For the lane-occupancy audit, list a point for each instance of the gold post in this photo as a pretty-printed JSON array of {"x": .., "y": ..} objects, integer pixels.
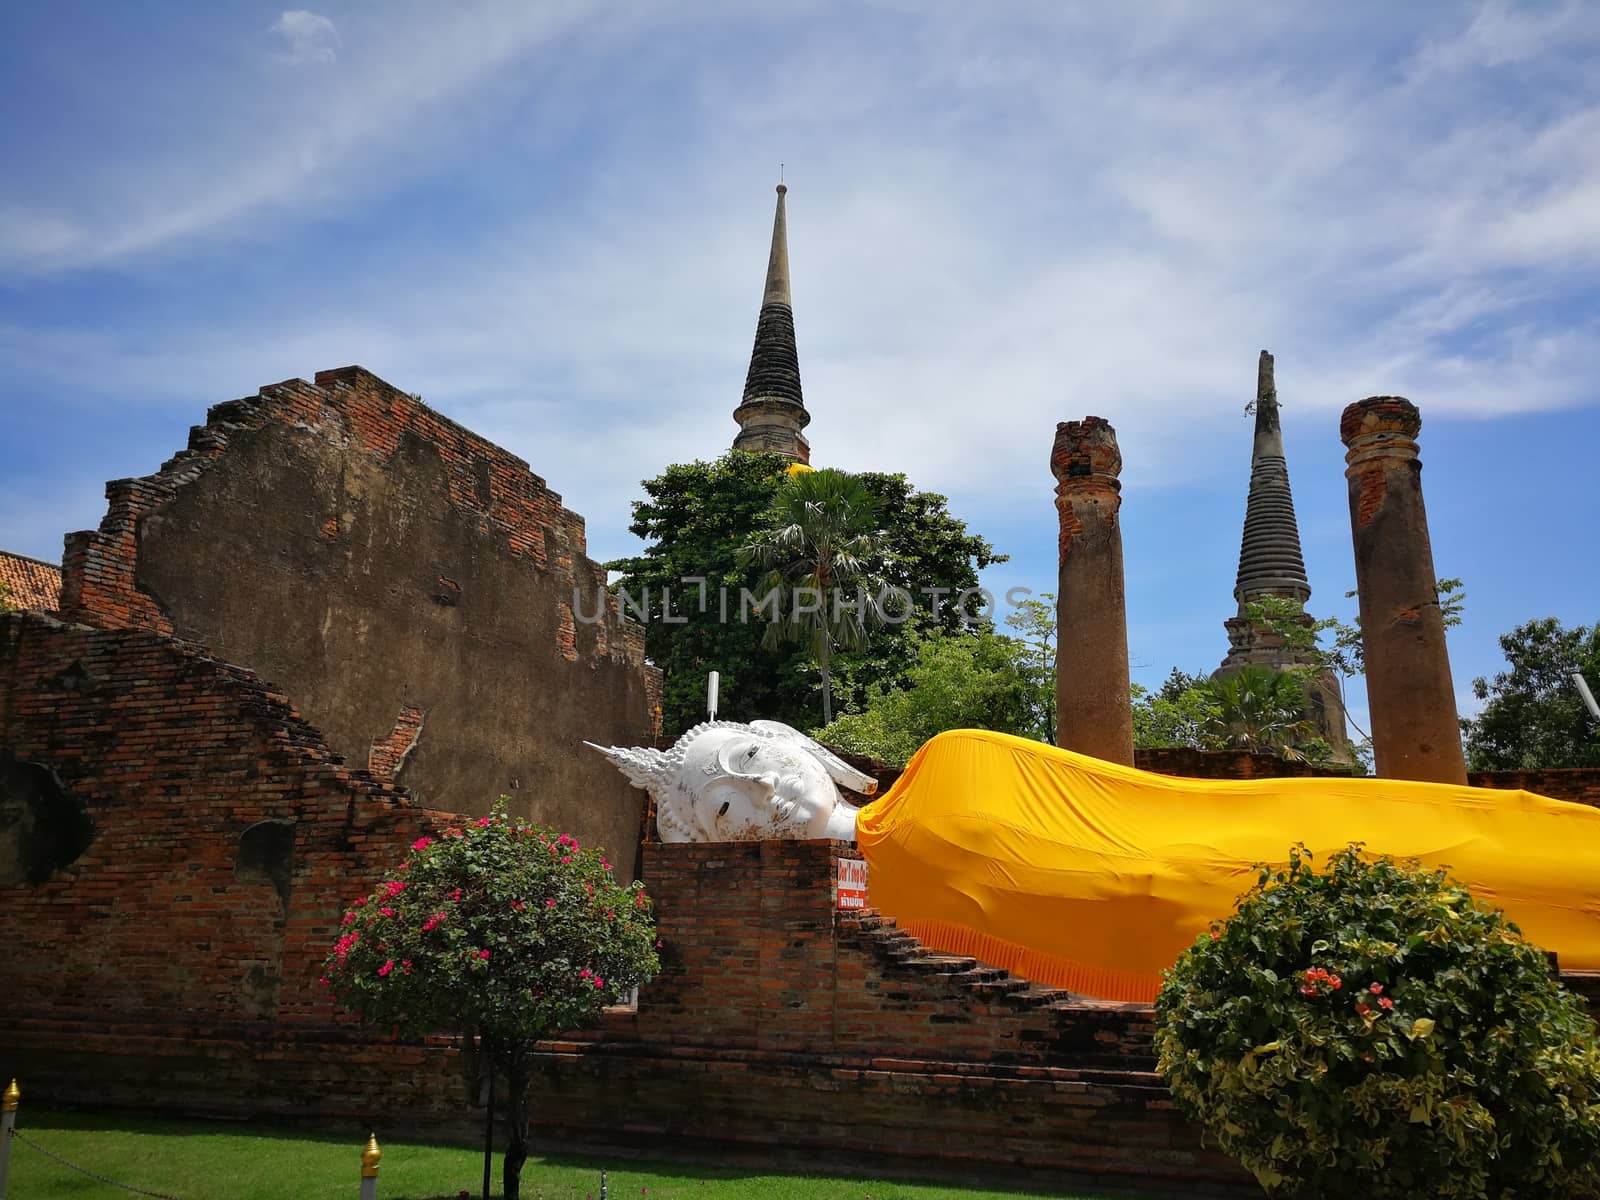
[
  {"x": 11, "y": 1099},
  {"x": 369, "y": 1157}
]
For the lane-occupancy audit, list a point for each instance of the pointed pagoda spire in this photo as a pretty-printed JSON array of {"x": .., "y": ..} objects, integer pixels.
[
  {"x": 773, "y": 411},
  {"x": 1270, "y": 562}
]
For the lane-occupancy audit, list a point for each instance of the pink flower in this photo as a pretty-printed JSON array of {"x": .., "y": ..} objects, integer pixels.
[
  {"x": 483, "y": 954},
  {"x": 394, "y": 887},
  {"x": 517, "y": 906},
  {"x": 405, "y": 963},
  {"x": 565, "y": 859},
  {"x": 325, "y": 981},
  {"x": 387, "y": 911},
  {"x": 550, "y": 903},
  {"x": 422, "y": 843},
  {"x": 658, "y": 943},
  {"x": 1385, "y": 1003},
  {"x": 349, "y": 919},
  {"x": 405, "y": 866},
  {"x": 1375, "y": 989},
  {"x": 598, "y": 983},
  {"x": 386, "y": 968},
  {"x": 456, "y": 895},
  {"x": 585, "y": 973},
  {"x": 482, "y": 821},
  {"x": 605, "y": 863}
]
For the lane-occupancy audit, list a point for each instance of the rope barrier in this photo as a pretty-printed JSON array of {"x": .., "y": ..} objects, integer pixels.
[{"x": 71, "y": 1166}]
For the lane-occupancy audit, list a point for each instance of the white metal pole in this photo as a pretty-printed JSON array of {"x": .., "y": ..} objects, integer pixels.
[
  {"x": 711, "y": 694},
  {"x": 1588, "y": 696}
]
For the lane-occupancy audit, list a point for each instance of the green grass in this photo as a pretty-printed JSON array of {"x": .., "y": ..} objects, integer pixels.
[{"x": 200, "y": 1160}]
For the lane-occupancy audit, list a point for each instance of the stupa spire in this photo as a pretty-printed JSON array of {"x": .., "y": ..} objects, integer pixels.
[
  {"x": 1270, "y": 561},
  {"x": 773, "y": 411}
]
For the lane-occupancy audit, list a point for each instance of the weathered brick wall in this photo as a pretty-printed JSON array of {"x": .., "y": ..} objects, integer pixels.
[
  {"x": 780, "y": 1030},
  {"x": 174, "y": 756},
  {"x": 407, "y": 583},
  {"x": 1225, "y": 764},
  {"x": 1580, "y": 785}
]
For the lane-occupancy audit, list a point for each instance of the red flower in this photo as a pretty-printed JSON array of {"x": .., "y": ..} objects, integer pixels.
[
  {"x": 422, "y": 843},
  {"x": 483, "y": 954},
  {"x": 550, "y": 903},
  {"x": 349, "y": 919},
  {"x": 386, "y": 968},
  {"x": 387, "y": 911},
  {"x": 482, "y": 821},
  {"x": 1385, "y": 1003},
  {"x": 658, "y": 943},
  {"x": 394, "y": 887},
  {"x": 1375, "y": 988},
  {"x": 565, "y": 859},
  {"x": 456, "y": 895},
  {"x": 1363, "y": 1010},
  {"x": 605, "y": 863}
]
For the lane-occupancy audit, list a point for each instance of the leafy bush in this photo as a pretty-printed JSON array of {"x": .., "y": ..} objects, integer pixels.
[
  {"x": 498, "y": 930},
  {"x": 1373, "y": 1031}
]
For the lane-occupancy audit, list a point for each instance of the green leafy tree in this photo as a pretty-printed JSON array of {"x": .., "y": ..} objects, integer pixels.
[
  {"x": 5, "y": 599},
  {"x": 1332, "y": 646},
  {"x": 1034, "y": 620},
  {"x": 1181, "y": 712},
  {"x": 973, "y": 680},
  {"x": 1371, "y": 1030},
  {"x": 500, "y": 931},
  {"x": 694, "y": 518},
  {"x": 1534, "y": 716},
  {"x": 1257, "y": 708},
  {"x": 817, "y": 553}
]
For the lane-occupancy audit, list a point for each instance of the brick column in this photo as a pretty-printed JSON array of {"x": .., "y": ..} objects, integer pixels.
[
  {"x": 1415, "y": 734},
  {"x": 1094, "y": 712}
]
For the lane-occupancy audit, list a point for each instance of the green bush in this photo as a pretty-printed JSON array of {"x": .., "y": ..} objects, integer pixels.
[{"x": 1372, "y": 1030}]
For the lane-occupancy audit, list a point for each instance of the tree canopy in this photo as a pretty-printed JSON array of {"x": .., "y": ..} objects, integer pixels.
[
  {"x": 817, "y": 550},
  {"x": 694, "y": 518},
  {"x": 1533, "y": 716},
  {"x": 968, "y": 680}
]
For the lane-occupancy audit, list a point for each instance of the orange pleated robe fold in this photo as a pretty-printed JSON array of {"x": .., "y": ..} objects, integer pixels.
[{"x": 1095, "y": 877}]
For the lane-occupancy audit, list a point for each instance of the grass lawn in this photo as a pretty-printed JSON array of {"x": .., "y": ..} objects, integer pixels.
[{"x": 199, "y": 1160}]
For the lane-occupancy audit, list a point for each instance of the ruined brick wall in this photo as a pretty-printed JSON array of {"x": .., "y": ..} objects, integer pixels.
[
  {"x": 780, "y": 1030},
  {"x": 1225, "y": 764},
  {"x": 408, "y": 584},
  {"x": 1581, "y": 785},
  {"x": 223, "y": 838}
]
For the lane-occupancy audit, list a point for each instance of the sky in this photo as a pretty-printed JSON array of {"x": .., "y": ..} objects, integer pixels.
[{"x": 551, "y": 220}]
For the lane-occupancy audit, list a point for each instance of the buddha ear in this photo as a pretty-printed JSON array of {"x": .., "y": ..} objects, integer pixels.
[
  {"x": 734, "y": 756},
  {"x": 841, "y": 772}
]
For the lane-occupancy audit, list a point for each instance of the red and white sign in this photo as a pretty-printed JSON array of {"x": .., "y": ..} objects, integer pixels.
[{"x": 852, "y": 891}]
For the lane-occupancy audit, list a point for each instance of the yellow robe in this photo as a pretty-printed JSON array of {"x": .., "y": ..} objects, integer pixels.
[{"x": 1095, "y": 877}]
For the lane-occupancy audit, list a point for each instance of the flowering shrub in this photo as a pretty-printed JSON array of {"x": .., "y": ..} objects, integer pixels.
[
  {"x": 498, "y": 930},
  {"x": 1372, "y": 1030}
]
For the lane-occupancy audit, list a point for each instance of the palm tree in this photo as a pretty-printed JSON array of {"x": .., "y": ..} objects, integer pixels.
[
  {"x": 1261, "y": 709},
  {"x": 823, "y": 533}
]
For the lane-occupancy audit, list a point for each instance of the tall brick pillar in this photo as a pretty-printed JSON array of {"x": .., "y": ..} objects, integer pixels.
[
  {"x": 1415, "y": 733},
  {"x": 1094, "y": 711}
]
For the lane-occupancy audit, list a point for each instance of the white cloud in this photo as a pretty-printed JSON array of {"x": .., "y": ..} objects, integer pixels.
[{"x": 306, "y": 37}]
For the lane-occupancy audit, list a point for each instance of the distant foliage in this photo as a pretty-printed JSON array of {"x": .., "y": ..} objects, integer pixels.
[
  {"x": 1533, "y": 716},
  {"x": 1371, "y": 1030},
  {"x": 976, "y": 680},
  {"x": 694, "y": 518}
]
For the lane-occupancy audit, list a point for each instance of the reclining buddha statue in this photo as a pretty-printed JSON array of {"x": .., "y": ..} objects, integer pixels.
[{"x": 1094, "y": 876}]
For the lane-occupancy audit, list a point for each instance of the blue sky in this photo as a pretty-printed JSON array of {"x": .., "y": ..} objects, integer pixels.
[{"x": 551, "y": 220}]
